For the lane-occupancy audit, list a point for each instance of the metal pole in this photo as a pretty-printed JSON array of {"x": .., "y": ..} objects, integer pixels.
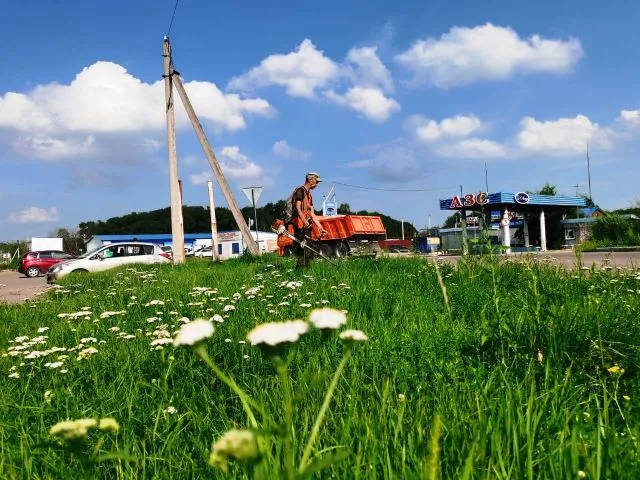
[
  {"x": 177, "y": 229},
  {"x": 463, "y": 223},
  {"x": 255, "y": 215},
  {"x": 589, "y": 172},
  {"x": 486, "y": 178},
  {"x": 214, "y": 225}
]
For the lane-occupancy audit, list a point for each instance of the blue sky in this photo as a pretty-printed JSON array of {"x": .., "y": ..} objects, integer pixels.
[{"x": 404, "y": 96}]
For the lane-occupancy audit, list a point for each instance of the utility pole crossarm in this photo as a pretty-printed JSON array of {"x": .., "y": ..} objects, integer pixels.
[{"x": 215, "y": 166}]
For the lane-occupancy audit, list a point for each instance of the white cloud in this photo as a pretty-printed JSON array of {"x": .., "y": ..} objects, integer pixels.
[
  {"x": 630, "y": 118},
  {"x": 35, "y": 215},
  {"x": 428, "y": 131},
  {"x": 301, "y": 72},
  {"x": 236, "y": 166},
  {"x": 306, "y": 72},
  {"x": 472, "y": 148},
  {"x": 564, "y": 136},
  {"x": 371, "y": 102},
  {"x": 55, "y": 121},
  {"x": 358, "y": 164},
  {"x": 367, "y": 70},
  {"x": 49, "y": 148},
  {"x": 487, "y": 52},
  {"x": 283, "y": 150}
]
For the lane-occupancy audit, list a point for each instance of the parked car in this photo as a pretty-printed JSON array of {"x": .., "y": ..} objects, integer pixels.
[
  {"x": 33, "y": 264},
  {"x": 110, "y": 256},
  {"x": 204, "y": 252}
]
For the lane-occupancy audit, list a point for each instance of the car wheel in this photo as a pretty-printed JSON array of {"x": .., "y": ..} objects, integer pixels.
[{"x": 32, "y": 272}]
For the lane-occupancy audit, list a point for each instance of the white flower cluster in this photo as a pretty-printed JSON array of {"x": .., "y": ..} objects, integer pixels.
[
  {"x": 237, "y": 444},
  {"x": 194, "y": 332},
  {"x": 76, "y": 429}
]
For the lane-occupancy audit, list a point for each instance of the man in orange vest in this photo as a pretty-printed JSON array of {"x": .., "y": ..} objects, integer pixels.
[{"x": 303, "y": 216}]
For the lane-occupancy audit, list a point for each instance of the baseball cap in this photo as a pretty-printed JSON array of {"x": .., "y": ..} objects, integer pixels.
[{"x": 314, "y": 175}]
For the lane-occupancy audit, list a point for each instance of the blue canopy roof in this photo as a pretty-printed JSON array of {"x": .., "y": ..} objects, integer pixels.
[{"x": 521, "y": 200}]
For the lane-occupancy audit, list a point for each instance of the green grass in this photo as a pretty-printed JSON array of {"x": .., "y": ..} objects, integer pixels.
[{"x": 516, "y": 370}]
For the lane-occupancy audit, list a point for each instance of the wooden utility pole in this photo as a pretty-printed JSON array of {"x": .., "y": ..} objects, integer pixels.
[
  {"x": 252, "y": 245},
  {"x": 214, "y": 226},
  {"x": 177, "y": 230}
]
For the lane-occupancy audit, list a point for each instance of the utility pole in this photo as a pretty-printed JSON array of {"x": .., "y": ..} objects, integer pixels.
[
  {"x": 463, "y": 224},
  {"x": 486, "y": 178},
  {"x": 177, "y": 229},
  {"x": 214, "y": 225},
  {"x": 252, "y": 245},
  {"x": 589, "y": 172}
]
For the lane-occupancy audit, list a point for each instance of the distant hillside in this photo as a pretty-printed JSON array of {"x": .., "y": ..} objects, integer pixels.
[{"x": 196, "y": 220}]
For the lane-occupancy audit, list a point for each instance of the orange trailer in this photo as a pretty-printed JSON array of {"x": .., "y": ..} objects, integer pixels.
[{"x": 346, "y": 235}]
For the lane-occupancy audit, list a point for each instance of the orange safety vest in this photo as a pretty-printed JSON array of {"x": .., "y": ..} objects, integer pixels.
[{"x": 307, "y": 207}]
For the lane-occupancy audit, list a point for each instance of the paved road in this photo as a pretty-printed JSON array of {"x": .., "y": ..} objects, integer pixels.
[{"x": 15, "y": 287}]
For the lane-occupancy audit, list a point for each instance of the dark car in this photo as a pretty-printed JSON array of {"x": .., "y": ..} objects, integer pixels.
[{"x": 33, "y": 264}]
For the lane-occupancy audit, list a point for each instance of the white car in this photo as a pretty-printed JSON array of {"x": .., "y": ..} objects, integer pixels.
[
  {"x": 110, "y": 256},
  {"x": 204, "y": 252}
]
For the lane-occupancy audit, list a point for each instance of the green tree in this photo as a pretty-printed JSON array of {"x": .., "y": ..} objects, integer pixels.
[{"x": 344, "y": 208}]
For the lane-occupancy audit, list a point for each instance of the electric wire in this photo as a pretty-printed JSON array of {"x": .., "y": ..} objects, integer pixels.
[
  {"x": 173, "y": 16},
  {"x": 394, "y": 189}
]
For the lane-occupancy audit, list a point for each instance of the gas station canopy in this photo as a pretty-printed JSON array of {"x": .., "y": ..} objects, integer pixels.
[{"x": 519, "y": 201}]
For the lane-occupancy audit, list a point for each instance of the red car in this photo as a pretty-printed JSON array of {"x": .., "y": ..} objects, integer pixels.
[{"x": 33, "y": 264}]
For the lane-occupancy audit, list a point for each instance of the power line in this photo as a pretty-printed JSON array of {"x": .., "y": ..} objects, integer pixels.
[
  {"x": 393, "y": 189},
  {"x": 173, "y": 15}
]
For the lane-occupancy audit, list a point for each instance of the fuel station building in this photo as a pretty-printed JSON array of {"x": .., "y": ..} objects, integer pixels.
[{"x": 509, "y": 212}]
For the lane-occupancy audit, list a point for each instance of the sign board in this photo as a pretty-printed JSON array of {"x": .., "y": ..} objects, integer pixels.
[
  {"x": 469, "y": 200},
  {"x": 329, "y": 209},
  {"x": 521, "y": 197},
  {"x": 229, "y": 236},
  {"x": 252, "y": 193},
  {"x": 495, "y": 215},
  {"x": 504, "y": 222},
  {"x": 472, "y": 220}
]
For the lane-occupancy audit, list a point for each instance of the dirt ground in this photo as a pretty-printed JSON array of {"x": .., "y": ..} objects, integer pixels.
[{"x": 15, "y": 287}]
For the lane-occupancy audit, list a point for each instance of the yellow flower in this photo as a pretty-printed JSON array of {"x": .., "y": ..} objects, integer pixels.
[
  {"x": 616, "y": 370},
  {"x": 626, "y": 397}
]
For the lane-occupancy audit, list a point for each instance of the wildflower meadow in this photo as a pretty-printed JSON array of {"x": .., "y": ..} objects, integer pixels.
[{"x": 379, "y": 368}]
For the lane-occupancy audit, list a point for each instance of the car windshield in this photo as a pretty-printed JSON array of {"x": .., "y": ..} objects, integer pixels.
[{"x": 91, "y": 252}]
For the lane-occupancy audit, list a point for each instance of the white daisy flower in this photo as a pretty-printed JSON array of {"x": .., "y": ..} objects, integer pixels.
[
  {"x": 193, "y": 332},
  {"x": 353, "y": 336},
  {"x": 327, "y": 318},
  {"x": 276, "y": 333}
]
